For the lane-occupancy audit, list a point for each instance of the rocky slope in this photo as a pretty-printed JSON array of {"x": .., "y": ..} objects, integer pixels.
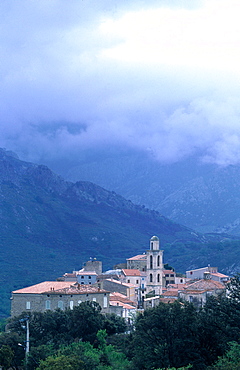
[{"x": 49, "y": 226}]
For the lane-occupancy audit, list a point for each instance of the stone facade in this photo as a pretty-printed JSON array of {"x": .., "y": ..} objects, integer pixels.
[
  {"x": 53, "y": 294},
  {"x": 138, "y": 262},
  {"x": 154, "y": 281}
]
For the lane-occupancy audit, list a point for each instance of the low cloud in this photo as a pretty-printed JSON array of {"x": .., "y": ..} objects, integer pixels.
[{"x": 63, "y": 90}]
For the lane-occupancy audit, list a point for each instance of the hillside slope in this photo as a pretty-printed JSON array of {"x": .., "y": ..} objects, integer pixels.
[
  {"x": 50, "y": 226},
  {"x": 203, "y": 196}
]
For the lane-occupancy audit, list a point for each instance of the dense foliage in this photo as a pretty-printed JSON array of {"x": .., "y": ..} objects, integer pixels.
[{"x": 169, "y": 336}]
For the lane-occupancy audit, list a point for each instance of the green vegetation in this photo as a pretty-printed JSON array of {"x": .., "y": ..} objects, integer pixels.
[{"x": 169, "y": 336}]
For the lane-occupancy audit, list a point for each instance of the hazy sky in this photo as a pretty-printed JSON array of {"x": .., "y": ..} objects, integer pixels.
[{"x": 158, "y": 76}]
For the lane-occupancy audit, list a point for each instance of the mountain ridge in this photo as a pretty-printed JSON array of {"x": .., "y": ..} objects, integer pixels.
[{"x": 50, "y": 226}]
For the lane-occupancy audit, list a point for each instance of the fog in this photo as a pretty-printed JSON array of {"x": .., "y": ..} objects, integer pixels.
[{"x": 161, "y": 77}]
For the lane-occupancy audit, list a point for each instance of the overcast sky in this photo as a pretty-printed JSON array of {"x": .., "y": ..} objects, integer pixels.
[{"x": 158, "y": 76}]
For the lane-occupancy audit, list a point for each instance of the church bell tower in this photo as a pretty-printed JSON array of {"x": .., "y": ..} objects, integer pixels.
[{"x": 154, "y": 281}]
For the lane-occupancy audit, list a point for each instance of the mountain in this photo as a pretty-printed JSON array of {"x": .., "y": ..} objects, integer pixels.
[
  {"x": 50, "y": 226},
  {"x": 202, "y": 196}
]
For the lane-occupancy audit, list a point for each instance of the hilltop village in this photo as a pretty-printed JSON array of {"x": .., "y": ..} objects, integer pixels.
[{"x": 143, "y": 281}]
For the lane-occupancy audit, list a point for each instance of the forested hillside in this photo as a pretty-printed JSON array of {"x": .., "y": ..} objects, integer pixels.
[{"x": 50, "y": 226}]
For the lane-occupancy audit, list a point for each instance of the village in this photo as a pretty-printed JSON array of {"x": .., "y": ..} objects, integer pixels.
[{"x": 140, "y": 283}]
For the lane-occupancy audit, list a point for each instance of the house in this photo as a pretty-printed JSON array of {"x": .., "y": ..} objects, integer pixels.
[
  {"x": 169, "y": 277},
  {"x": 199, "y": 273},
  {"x": 128, "y": 308},
  {"x": 198, "y": 291},
  {"x": 86, "y": 277},
  {"x": 138, "y": 262},
  {"x": 50, "y": 295},
  {"x": 132, "y": 276},
  {"x": 111, "y": 285}
]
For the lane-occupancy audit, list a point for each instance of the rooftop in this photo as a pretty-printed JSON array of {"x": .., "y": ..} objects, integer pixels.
[
  {"x": 138, "y": 257},
  {"x": 204, "y": 284},
  {"x": 131, "y": 272},
  {"x": 59, "y": 287}
]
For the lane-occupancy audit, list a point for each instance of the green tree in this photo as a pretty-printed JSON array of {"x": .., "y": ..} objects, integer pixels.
[
  {"x": 114, "y": 324},
  {"x": 6, "y": 356},
  {"x": 60, "y": 363},
  {"x": 165, "y": 336},
  {"x": 231, "y": 360},
  {"x": 86, "y": 320}
]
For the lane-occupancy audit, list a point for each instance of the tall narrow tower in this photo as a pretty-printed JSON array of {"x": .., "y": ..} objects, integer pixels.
[{"x": 154, "y": 267}]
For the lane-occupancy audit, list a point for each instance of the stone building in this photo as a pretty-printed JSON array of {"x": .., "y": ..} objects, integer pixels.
[
  {"x": 198, "y": 291},
  {"x": 154, "y": 281},
  {"x": 138, "y": 262},
  {"x": 50, "y": 295}
]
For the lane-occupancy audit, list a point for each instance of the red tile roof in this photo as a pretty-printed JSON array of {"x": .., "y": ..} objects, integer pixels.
[
  {"x": 121, "y": 304},
  {"x": 204, "y": 285},
  {"x": 59, "y": 287},
  {"x": 138, "y": 257},
  {"x": 118, "y": 297},
  {"x": 131, "y": 272},
  {"x": 45, "y": 286}
]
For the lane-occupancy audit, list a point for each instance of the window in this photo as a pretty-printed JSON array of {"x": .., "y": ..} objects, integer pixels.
[
  {"x": 60, "y": 305},
  {"x": 151, "y": 262},
  {"x": 82, "y": 277},
  {"x": 28, "y": 305},
  {"x": 151, "y": 245},
  {"x": 136, "y": 281},
  {"x": 71, "y": 305},
  {"x": 158, "y": 261},
  {"x": 105, "y": 302},
  {"x": 158, "y": 278},
  {"x": 89, "y": 277},
  {"x": 150, "y": 278},
  {"x": 48, "y": 305},
  {"x": 128, "y": 281}
]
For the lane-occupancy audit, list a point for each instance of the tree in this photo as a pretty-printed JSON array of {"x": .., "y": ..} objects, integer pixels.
[
  {"x": 114, "y": 324},
  {"x": 6, "y": 356},
  {"x": 86, "y": 320},
  {"x": 60, "y": 363},
  {"x": 165, "y": 336},
  {"x": 231, "y": 360}
]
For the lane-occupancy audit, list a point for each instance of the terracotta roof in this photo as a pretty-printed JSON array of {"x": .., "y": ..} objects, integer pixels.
[
  {"x": 131, "y": 272},
  {"x": 129, "y": 285},
  {"x": 176, "y": 286},
  {"x": 171, "y": 293},
  {"x": 86, "y": 273},
  {"x": 121, "y": 304},
  {"x": 219, "y": 274},
  {"x": 79, "y": 289},
  {"x": 138, "y": 257},
  {"x": 45, "y": 286},
  {"x": 204, "y": 284},
  {"x": 59, "y": 287},
  {"x": 169, "y": 272},
  {"x": 118, "y": 297},
  {"x": 70, "y": 274},
  {"x": 167, "y": 300}
]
